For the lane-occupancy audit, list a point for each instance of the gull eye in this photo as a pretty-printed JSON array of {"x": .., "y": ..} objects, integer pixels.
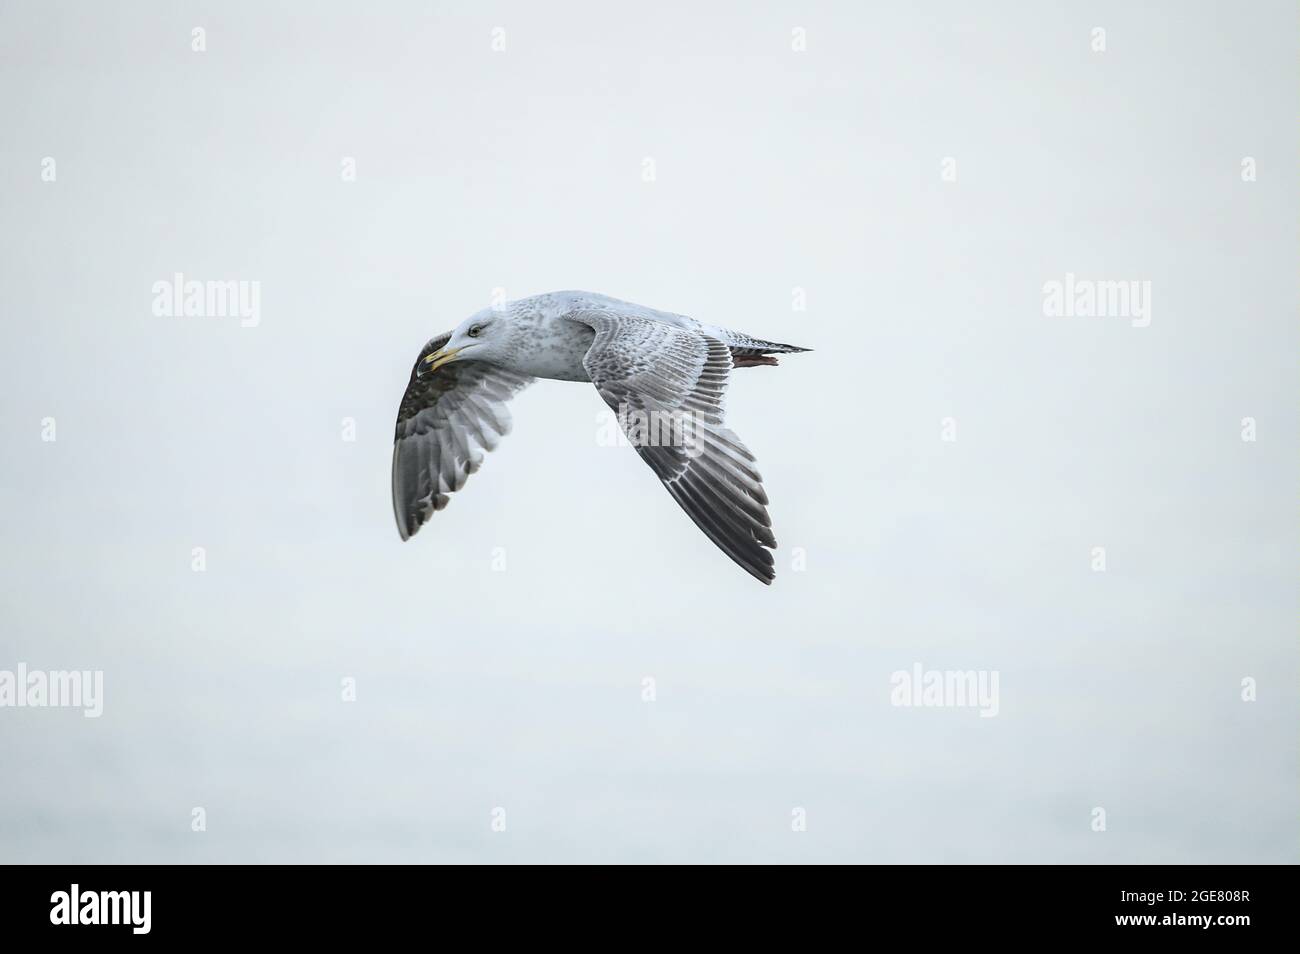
[{"x": 475, "y": 331}]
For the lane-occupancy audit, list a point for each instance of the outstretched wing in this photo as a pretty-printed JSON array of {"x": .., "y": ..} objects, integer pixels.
[
  {"x": 447, "y": 420},
  {"x": 666, "y": 384}
]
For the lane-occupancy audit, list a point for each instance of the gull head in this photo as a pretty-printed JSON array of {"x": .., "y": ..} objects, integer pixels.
[{"x": 476, "y": 339}]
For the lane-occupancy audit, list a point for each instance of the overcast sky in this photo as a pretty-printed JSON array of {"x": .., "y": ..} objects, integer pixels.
[{"x": 942, "y": 467}]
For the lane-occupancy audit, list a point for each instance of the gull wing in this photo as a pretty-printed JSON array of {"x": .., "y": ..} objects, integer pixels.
[
  {"x": 667, "y": 385},
  {"x": 447, "y": 420}
]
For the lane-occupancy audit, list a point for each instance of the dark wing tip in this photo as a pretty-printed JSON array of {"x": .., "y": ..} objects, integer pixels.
[{"x": 737, "y": 536}]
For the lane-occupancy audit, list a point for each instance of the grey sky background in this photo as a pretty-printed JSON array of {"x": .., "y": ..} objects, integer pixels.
[{"x": 522, "y": 169}]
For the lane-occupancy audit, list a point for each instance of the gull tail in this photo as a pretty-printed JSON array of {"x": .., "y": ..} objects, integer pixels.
[{"x": 749, "y": 352}]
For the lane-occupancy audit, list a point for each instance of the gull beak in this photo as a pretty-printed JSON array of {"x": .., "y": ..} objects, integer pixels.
[{"x": 436, "y": 360}]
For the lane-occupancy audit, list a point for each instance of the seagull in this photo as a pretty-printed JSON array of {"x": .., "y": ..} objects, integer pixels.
[{"x": 665, "y": 375}]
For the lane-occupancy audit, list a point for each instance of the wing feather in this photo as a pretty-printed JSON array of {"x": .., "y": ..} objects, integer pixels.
[
  {"x": 649, "y": 370},
  {"x": 447, "y": 420}
]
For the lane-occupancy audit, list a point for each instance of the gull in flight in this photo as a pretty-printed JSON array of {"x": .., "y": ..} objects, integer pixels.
[{"x": 665, "y": 376}]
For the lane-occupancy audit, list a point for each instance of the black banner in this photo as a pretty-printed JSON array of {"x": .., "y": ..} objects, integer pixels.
[{"x": 137, "y": 904}]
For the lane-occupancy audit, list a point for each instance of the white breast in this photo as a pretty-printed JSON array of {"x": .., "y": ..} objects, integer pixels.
[{"x": 554, "y": 349}]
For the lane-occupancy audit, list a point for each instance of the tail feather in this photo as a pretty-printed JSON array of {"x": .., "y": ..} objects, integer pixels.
[{"x": 751, "y": 352}]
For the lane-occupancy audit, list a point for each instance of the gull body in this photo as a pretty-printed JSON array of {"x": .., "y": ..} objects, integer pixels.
[{"x": 536, "y": 336}]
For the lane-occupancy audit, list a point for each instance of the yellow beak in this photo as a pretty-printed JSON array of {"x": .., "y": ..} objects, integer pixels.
[{"x": 439, "y": 358}]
